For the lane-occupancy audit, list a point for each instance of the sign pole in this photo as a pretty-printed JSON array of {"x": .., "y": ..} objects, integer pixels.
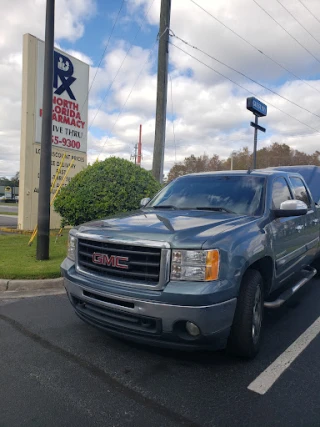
[
  {"x": 46, "y": 136},
  {"x": 259, "y": 110},
  {"x": 255, "y": 143}
]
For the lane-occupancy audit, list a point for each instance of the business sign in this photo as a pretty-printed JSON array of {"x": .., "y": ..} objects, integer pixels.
[
  {"x": 69, "y": 125},
  {"x": 70, "y": 100},
  {"x": 256, "y": 107}
]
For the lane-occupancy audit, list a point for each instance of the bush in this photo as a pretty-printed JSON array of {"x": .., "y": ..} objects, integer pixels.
[{"x": 109, "y": 187}]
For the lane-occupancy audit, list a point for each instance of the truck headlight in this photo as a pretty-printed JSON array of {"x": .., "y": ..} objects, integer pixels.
[
  {"x": 195, "y": 265},
  {"x": 72, "y": 247}
]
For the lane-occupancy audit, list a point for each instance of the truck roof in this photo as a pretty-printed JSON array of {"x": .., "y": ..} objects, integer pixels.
[{"x": 255, "y": 172}]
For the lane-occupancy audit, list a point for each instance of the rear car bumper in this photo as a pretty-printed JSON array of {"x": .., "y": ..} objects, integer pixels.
[{"x": 151, "y": 322}]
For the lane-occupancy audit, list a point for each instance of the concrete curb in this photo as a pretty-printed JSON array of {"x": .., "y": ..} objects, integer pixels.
[
  {"x": 3, "y": 285},
  {"x": 15, "y": 230},
  {"x": 12, "y": 287}
]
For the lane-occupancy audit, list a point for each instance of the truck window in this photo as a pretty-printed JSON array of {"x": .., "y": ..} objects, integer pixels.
[
  {"x": 300, "y": 191},
  {"x": 280, "y": 192},
  {"x": 242, "y": 195}
]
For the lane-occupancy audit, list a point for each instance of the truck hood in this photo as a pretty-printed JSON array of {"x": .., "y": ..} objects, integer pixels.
[{"x": 180, "y": 228}]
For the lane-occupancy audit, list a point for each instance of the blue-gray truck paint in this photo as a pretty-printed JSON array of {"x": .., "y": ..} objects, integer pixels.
[{"x": 264, "y": 242}]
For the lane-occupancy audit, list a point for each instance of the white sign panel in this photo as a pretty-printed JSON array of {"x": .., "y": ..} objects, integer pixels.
[
  {"x": 70, "y": 100},
  {"x": 69, "y": 126}
]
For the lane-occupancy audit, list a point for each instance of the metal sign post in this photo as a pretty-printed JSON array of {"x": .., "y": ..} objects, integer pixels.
[{"x": 259, "y": 110}]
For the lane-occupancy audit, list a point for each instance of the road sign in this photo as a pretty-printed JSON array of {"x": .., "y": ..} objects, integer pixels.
[
  {"x": 256, "y": 107},
  {"x": 257, "y": 127},
  {"x": 259, "y": 110}
]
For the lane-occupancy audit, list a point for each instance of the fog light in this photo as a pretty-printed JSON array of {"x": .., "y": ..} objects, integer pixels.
[{"x": 192, "y": 329}]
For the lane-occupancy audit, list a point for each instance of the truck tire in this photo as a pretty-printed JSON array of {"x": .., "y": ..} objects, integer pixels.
[{"x": 245, "y": 335}]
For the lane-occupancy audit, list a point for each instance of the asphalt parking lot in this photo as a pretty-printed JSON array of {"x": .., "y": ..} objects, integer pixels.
[{"x": 55, "y": 369}]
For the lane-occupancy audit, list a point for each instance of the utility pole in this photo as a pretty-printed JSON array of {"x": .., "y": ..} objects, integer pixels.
[
  {"x": 139, "y": 146},
  {"x": 134, "y": 156},
  {"x": 162, "y": 84},
  {"x": 46, "y": 135},
  {"x": 232, "y": 160}
]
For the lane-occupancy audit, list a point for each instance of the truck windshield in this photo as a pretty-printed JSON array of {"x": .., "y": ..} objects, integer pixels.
[{"x": 232, "y": 194}]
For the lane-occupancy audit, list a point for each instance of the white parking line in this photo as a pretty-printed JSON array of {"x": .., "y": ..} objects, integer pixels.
[{"x": 269, "y": 376}]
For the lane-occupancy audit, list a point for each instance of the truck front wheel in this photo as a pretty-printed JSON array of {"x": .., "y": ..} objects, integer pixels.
[{"x": 245, "y": 335}]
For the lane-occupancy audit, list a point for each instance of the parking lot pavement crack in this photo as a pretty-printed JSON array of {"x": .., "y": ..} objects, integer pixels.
[{"x": 102, "y": 375}]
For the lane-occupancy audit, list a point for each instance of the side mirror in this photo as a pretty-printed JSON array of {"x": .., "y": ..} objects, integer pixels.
[
  {"x": 144, "y": 202},
  {"x": 291, "y": 208}
]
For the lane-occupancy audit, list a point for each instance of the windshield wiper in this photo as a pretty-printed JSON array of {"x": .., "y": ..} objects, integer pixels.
[
  {"x": 213, "y": 208},
  {"x": 164, "y": 207}
]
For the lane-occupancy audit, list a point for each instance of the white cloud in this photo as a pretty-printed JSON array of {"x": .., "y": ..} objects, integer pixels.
[
  {"x": 209, "y": 111},
  {"x": 20, "y": 17},
  {"x": 79, "y": 55}
]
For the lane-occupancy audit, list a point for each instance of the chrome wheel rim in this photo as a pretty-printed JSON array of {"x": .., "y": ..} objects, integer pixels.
[{"x": 257, "y": 315}]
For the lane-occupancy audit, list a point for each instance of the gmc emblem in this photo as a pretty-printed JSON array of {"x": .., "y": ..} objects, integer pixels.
[{"x": 110, "y": 260}]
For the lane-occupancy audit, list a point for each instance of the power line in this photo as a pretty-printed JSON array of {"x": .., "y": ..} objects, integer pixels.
[
  {"x": 122, "y": 108},
  {"x": 254, "y": 47},
  {"x": 309, "y": 11},
  {"x": 303, "y": 47},
  {"x": 116, "y": 75},
  {"x": 242, "y": 74},
  {"x": 174, "y": 135},
  {"x": 298, "y": 22},
  {"x": 242, "y": 87},
  {"x": 244, "y": 140},
  {"x": 124, "y": 104},
  {"x": 104, "y": 52}
]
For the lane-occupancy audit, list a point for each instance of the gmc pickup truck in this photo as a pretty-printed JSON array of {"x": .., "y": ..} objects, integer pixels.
[{"x": 196, "y": 266}]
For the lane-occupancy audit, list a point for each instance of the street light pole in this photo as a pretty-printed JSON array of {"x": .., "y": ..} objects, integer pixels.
[{"x": 46, "y": 135}]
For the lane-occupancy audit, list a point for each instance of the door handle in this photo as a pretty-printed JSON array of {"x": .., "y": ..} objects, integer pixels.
[{"x": 299, "y": 227}]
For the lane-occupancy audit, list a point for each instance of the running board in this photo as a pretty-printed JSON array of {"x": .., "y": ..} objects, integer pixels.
[{"x": 309, "y": 273}]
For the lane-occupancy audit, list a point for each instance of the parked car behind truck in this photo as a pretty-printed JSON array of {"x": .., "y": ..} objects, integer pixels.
[{"x": 196, "y": 266}]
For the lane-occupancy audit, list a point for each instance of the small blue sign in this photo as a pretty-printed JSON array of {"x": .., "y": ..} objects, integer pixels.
[{"x": 256, "y": 107}]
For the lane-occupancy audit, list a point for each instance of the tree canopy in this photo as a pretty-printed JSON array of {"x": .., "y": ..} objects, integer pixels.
[
  {"x": 14, "y": 181},
  {"x": 274, "y": 155}
]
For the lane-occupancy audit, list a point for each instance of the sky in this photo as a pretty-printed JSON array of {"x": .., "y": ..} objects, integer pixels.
[{"x": 220, "y": 53}]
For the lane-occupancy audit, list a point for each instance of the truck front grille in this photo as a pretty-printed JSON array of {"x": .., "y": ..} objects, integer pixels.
[{"x": 120, "y": 261}]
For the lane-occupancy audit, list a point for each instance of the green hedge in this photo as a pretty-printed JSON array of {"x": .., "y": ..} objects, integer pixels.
[{"x": 105, "y": 188}]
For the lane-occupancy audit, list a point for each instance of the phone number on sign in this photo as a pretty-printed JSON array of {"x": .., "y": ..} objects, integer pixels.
[{"x": 70, "y": 143}]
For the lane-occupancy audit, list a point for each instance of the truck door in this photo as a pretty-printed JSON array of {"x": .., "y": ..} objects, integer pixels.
[
  {"x": 288, "y": 236},
  {"x": 310, "y": 222}
]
